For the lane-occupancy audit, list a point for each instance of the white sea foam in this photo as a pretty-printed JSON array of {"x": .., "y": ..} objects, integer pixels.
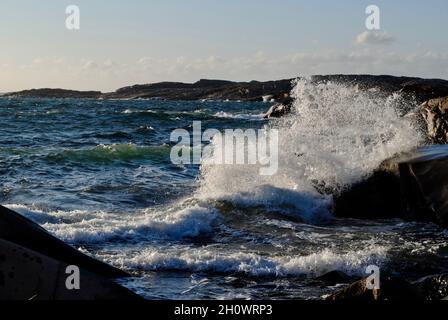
[
  {"x": 240, "y": 116},
  {"x": 336, "y": 135},
  {"x": 216, "y": 260},
  {"x": 95, "y": 227}
]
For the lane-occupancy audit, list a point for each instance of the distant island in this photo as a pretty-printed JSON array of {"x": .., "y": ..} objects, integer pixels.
[{"x": 278, "y": 90}]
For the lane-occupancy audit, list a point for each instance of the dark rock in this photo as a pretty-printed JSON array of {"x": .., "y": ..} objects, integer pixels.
[
  {"x": 379, "y": 196},
  {"x": 419, "y": 89},
  {"x": 424, "y": 186},
  {"x": 413, "y": 186},
  {"x": 433, "y": 287},
  {"x": 277, "y": 110},
  {"x": 28, "y": 275},
  {"x": 55, "y": 93},
  {"x": 391, "y": 288},
  {"x": 19, "y": 230},
  {"x": 435, "y": 114}
]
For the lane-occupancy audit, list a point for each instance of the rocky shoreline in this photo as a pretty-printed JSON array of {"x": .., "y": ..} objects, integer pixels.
[{"x": 278, "y": 90}]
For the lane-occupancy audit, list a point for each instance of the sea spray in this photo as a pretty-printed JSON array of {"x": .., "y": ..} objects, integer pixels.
[{"x": 336, "y": 135}]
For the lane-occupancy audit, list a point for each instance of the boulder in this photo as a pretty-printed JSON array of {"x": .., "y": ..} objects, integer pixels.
[
  {"x": 391, "y": 288},
  {"x": 279, "y": 109},
  {"x": 424, "y": 186},
  {"x": 433, "y": 287},
  {"x": 29, "y": 275},
  {"x": 435, "y": 114},
  {"x": 21, "y": 231},
  {"x": 376, "y": 197},
  {"x": 412, "y": 186}
]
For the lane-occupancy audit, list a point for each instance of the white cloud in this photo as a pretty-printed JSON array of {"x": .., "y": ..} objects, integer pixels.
[
  {"x": 374, "y": 37},
  {"x": 108, "y": 74}
]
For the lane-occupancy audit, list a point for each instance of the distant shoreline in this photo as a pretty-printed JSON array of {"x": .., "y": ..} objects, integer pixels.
[{"x": 278, "y": 90}]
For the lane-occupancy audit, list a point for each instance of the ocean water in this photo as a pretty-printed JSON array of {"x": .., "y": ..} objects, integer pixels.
[{"x": 98, "y": 175}]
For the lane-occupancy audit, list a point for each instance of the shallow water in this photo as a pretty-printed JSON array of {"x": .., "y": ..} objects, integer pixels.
[{"x": 98, "y": 175}]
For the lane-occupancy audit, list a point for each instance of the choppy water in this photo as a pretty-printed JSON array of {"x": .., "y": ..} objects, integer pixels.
[{"x": 98, "y": 175}]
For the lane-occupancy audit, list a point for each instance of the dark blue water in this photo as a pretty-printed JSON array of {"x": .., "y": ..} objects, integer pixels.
[{"x": 98, "y": 175}]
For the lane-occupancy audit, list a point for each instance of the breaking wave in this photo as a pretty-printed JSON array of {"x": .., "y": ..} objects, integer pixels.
[{"x": 335, "y": 136}]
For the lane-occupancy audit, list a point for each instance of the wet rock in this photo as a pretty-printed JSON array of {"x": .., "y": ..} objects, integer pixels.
[
  {"x": 391, "y": 288},
  {"x": 424, "y": 186},
  {"x": 278, "y": 110},
  {"x": 433, "y": 287},
  {"x": 413, "y": 186},
  {"x": 379, "y": 196},
  {"x": 435, "y": 114},
  {"x": 21, "y": 231},
  {"x": 28, "y": 275}
]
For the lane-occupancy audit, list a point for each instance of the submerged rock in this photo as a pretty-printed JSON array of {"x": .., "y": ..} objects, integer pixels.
[
  {"x": 21, "y": 231},
  {"x": 28, "y": 275}
]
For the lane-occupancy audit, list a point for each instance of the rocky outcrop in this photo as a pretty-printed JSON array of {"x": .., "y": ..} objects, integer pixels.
[
  {"x": 28, "y": 275},
  {"x": 435, "y": 115},
  {"x": 424, "y": 182},
  {"x": 377, "y": 197},
  {"x": 279, "y": 110},
  {"x": 412, "y": 186},
  {"x": 33, "y": 265},
  {"x": 21, "y": 231},
  {"x": 420, "y": 89},
  {"x": 55, "y": 93},
  {"x": 391, "y": 288},
  {"x": 434, "y": 287}
]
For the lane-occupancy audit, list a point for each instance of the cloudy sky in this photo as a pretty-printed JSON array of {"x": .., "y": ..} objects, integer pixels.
[{"x": 140, "y": 41}]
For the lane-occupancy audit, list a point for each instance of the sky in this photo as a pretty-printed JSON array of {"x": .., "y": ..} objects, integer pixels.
[{"x": 121, "y": 43}]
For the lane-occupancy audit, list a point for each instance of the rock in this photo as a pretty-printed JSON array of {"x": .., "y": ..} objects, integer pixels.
[
  {"x": 435, "y": 114},
  {"x": 280, "y": 109},
  {"x": 424, "y": 186},
  {"x": 277, "y": 110},
  {"x": 413, "y": 186},
  {"x": 56, "y": 93},
  {"x": 418, "y": 89},
  {"x": 433, "y": 287},
  {"x": 21, "y": 231},
  {"x": 379, "y": 196},
  {"x": 391, "y": 288},
  {"x": 28, "y": 275}
]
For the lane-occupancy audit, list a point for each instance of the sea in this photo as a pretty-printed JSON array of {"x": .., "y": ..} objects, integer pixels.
[{"x": 98, "y": 174}]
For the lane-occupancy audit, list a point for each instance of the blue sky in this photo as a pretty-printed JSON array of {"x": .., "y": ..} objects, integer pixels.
[{"x": 140, "y": 41}]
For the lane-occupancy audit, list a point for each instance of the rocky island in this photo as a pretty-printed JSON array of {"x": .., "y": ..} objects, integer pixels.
[{"x": 278, "y": 90}]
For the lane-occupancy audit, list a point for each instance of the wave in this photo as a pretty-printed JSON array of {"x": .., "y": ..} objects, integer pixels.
[
  {"x": 239, "y": 116},
  {"x": 213, "y": 260},
  {"x": 91, "y": 227},
  {"x": 336, "y": 135}
]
